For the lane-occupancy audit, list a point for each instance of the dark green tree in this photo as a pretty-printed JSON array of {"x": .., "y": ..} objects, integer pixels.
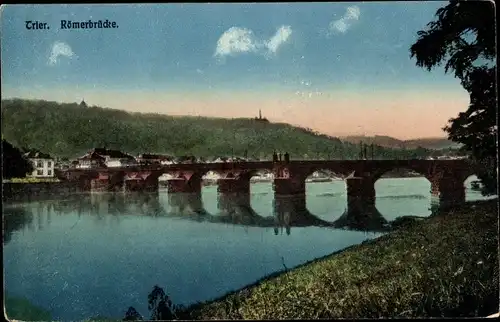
[
  {"x": 463, "y": 37},
  {"x": 14, "y": 165},
  {"x": 160, "y": 306},
  {"x": 132, "y": 315}
]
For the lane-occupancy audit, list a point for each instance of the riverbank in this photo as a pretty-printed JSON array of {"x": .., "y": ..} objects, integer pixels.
[{"x": 444, "y": 266}]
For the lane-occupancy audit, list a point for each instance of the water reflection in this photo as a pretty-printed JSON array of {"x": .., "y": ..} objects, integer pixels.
[
  {"x": 232, "y": 209},
  {"x": 15, "y": 219},
  {"x": 365, "y": 217}
]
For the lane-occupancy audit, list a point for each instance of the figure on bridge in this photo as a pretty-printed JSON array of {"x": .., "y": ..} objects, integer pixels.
[
  {"x": 275, "y": 156},
  {"x": 287, "y": 157}
]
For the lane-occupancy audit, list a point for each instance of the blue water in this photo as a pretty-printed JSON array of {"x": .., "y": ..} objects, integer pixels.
[{"x": 98, "y": 254}]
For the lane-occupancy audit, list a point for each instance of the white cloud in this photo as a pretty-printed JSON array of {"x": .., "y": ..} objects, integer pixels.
[
  {"x": 339, "y": 25},
  {"x": 238, "y": 40},
  {"x": 343, "y": 24},
  {"x": 60, "y": 49},
  {"x": 352, "y": 13},
  {"x": 279, "y": 38}
]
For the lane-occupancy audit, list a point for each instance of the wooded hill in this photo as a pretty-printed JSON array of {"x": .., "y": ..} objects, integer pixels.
[{"x": 71, "y": 129}]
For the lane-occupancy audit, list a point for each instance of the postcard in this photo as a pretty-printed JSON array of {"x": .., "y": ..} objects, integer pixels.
[{"x": 183, "y": 161}]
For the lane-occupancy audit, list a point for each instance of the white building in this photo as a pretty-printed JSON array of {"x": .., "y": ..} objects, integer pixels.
[{"x": 43, "y": 164}]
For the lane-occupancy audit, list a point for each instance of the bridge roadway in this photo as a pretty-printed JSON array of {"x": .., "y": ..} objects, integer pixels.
[{"x": 308, "y": 165}]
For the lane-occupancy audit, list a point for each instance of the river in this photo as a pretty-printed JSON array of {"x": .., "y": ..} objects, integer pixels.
[{"x": 88, "y": 255}]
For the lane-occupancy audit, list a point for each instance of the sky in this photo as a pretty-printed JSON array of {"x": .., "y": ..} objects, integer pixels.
[{"x": 339, "y": 68}]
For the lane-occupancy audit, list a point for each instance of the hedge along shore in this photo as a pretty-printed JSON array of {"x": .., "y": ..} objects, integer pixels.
[{"x": 444, "y": 266}]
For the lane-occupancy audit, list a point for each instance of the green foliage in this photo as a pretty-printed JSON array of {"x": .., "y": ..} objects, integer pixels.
[
  {"x": 160, "y": 306},
  {"x": 13, "y": 162},
  {"x": 70, "y": 130},
  {"x": 22, "y": 309},
  {"x": 463, "y": 36}
]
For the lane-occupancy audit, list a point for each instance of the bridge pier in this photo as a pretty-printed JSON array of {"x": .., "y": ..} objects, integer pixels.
[
  {"x": 233, "y": 185},
  {"x": 141, "y": 185},
  {"x": 292, "y": 211},
  {"x": 228, "y": 201},
  {"x": 193, "y": 185},
  {"x": 447, "y": 192},
  {"x": 99, "y": 185},
  {"x": 234, "y": 204},
  {"x": 289, "y": 204},
  {"x": 116, "y": 182},
  {"x": 360, "y": 194},
  {"x": 184, "y": 202},
  {"x": 289, "y": 186},
  {"x": 363, "y": 218},
  {"x": 85, "y": 183}
]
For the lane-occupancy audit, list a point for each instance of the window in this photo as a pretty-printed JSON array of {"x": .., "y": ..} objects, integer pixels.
[
  {"x": 39, "y": 172},
  {"x": 49, "y": 164},
  {"x": 49, "y": 172},
  {"x": 39, "y": 164}
]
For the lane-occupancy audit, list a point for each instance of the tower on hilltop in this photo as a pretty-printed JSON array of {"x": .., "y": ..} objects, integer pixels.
[{"x": 260, "y": 118}]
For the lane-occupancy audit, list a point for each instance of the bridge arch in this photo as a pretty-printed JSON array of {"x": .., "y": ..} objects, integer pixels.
[
  {"x": 403, "y": 191},
  {"x": 260, "y": 188},
  {"x": 407, "y": 169},
  {"x": 325, "y": 191},
  {"x": 339, "y": 172},
  {"x": 473, "y": 188}
]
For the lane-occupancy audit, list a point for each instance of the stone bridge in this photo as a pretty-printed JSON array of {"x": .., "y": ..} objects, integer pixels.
[{"x": 446, "y": 177}]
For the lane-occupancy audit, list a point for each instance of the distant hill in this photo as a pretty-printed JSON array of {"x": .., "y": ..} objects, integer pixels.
[
  {"x": 71, "y": 129},
  {"x": 432, "y": 143},
  {"x": 390, "y": 142}
]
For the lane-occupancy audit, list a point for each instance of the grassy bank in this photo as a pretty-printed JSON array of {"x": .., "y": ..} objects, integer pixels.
[{"x": 444, "y": 266}]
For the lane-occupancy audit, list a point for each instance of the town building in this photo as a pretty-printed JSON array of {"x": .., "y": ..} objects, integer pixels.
[
  {"x": 62, "y": 163},
  {"x": 220, "y": 160},
  {"x": 147, "y": 158},
  {"x": 102, "y": 157},
  {"x": 187, "y": 159},
  {"x": 43, "y": 164}
]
